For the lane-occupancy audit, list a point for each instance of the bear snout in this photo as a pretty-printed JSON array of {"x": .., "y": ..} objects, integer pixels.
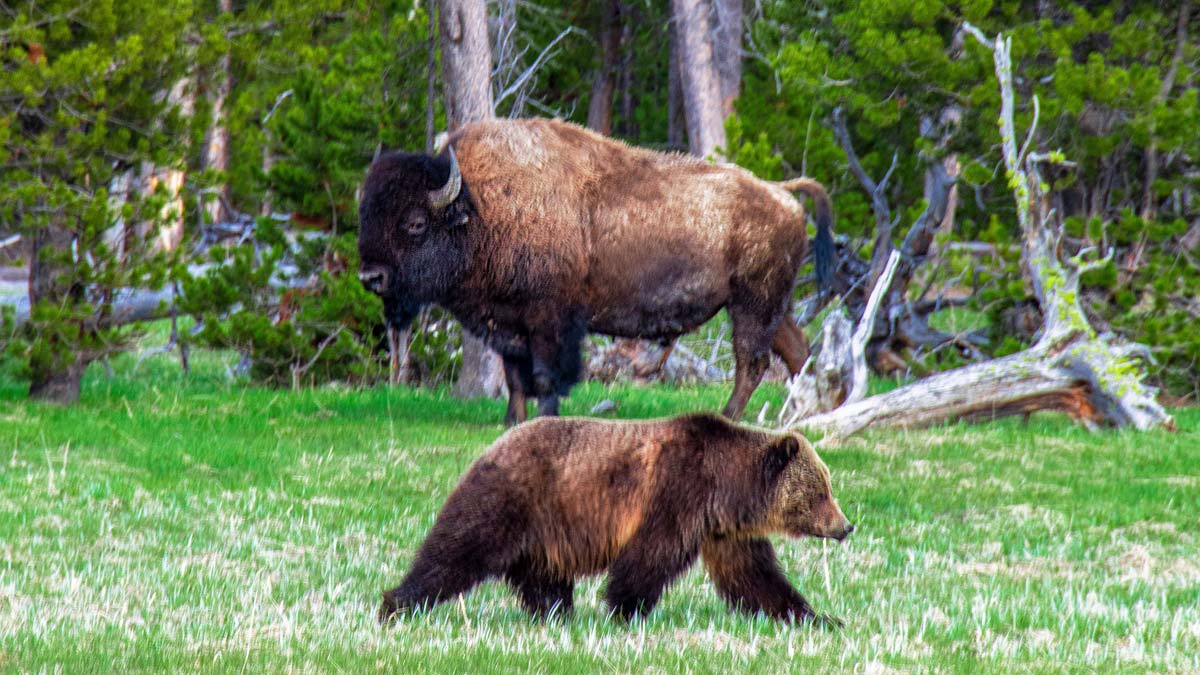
[
  {"x": 835, "y": 523},
  {"x": 845, "y": 531}
]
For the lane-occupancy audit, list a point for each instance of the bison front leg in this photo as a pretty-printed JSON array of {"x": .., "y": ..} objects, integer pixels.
[
  {"x": 554, "y": 346},
  {"x": 544, "y": 352},
  {"x": 518, "y": 375}
]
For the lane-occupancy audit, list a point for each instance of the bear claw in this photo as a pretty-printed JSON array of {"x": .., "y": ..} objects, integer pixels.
[{"x": 827, "y": 622}]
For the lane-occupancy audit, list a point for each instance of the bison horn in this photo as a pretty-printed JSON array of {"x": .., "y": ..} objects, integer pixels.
[{"x": 445, "y": 195}]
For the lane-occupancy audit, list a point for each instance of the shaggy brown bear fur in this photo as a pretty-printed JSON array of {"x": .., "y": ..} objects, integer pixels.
[{"x": 560, "y": 498}]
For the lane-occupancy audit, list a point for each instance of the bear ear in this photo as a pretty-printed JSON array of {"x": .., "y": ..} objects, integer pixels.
[{"x": 779, "y": 454}]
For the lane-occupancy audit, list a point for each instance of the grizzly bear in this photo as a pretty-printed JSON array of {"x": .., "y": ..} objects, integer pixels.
[{"x": 556, "y": 499}]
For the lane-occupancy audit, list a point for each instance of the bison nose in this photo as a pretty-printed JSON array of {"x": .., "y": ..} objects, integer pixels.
[{"x": 374, "y": 278}]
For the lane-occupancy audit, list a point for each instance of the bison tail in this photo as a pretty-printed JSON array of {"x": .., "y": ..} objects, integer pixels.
[{"x": 823, "y": 245}]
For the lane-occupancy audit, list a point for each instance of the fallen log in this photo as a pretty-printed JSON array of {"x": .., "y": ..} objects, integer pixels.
[{"x": 1044, "y": 377}]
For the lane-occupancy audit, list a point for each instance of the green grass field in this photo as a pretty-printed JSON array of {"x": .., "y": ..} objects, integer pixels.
[{"x": 172, "y": 523}]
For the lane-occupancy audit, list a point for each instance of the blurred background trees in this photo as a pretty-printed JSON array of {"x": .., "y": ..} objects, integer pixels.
[{"x": 210, "y": 151}]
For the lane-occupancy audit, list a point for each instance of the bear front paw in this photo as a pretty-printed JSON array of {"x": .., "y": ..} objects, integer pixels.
[
  {"x": 388, "y": 610},
  {"x": 827, "y": 622}
]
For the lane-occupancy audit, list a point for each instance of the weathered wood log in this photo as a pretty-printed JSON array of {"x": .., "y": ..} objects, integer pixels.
[{"x": 1017, "y": 384}]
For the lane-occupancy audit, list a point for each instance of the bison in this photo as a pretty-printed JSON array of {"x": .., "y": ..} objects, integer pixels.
[{"x": 534, "y": 232}]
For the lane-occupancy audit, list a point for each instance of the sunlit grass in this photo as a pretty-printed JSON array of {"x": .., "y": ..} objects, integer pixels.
[{"x": 189, "y": 523}]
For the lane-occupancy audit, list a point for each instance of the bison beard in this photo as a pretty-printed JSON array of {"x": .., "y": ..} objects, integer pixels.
[{"x": 534, "y": 232}]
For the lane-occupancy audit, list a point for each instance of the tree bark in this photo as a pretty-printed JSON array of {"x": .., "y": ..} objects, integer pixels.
[
  {"x": 1149, "y": 208},
  {"x": 466, "y": 61},
  {"x": 728, "y": 48},
  {"x": 268, "y": 162},
  {"x": 146, "y": 179},
  {"x": 431, "y": 78},
  {"x": 169, "y": 232},
  {"x": 676, "y": 122},
  {"x": 466, "y": 74},
  {"x": 59, "y": 380},
  {"x": 600, "y": 104},
  {"x": 627, "y": 81},
  {"x": 61, "y": 386},
  {"x": 215, "y": 155},
  {"x": 701, "y": 84}
]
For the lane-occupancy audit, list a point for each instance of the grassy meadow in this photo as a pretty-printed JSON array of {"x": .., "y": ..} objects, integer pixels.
[{"x": 172, "y": 523}]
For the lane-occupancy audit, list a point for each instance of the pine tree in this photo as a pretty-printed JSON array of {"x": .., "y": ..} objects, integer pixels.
[{"x": 90, "y": 101}]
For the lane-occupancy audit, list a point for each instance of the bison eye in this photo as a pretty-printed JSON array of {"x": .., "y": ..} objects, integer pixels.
[{"x": 416, "y": 224}]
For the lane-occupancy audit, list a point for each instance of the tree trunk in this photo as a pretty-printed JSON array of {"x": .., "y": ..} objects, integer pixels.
[
  {"x": 1149, "y": 208},
  {"x": 466, "y": 74},
  {"x": 676, "y": 121},
  {"x": 1018, "y": 384},
  {"x": 268, "y": 162},
  {"x": 601, "y": 102},
  {"x": 431, "y": 79},
  {"x": 61, "y": 386},
  {"x": 59, "y": 379},
  {"x": 215, "y": 155},
  {"x": 626, "y": 79},
  {"x": 167, "y": 229},
  {"x": 701, "y": 85},
  {"x": 728, "y": 48}
]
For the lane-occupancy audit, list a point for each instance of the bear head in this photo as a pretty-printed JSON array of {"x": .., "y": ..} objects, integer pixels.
[{"x": 802, "y": 502}]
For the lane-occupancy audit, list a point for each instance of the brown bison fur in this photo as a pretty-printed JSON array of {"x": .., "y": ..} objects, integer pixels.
[
  {"x": 561, "y": 498},
  {"x": 557, "y": 231}
]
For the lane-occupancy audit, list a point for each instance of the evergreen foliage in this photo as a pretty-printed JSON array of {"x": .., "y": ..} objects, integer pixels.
[{"x": 89, "y": 97}]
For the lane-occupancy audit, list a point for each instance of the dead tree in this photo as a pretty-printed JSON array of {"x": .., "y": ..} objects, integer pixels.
[
  {"x": 727, "y": 50},
  {"x": 839, "y": 374},
  {"x": 701, "y": 83},
  {"x": 466, "y": 73},
  {"x": 214, "y": 154},
  {"x": 901, "y": 325},
  {"x": 1093, "y": 378},
  {"x": 604, "y": 86}
]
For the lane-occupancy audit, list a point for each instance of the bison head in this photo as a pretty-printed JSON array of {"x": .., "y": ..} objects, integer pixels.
[{"x": 410, "y": 239}]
